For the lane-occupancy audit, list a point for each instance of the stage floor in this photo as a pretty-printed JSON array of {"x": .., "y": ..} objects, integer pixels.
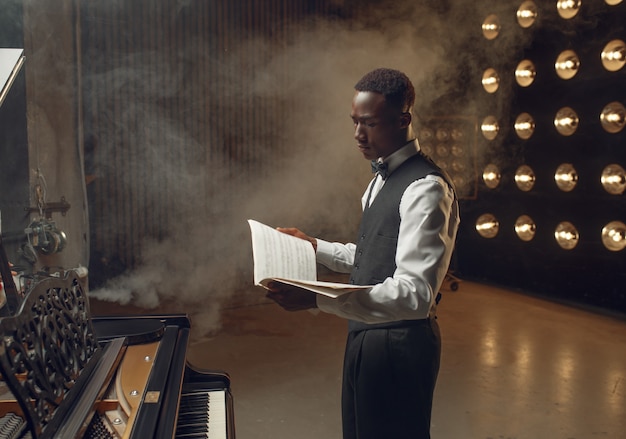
[{"x": 513, "y": 367}]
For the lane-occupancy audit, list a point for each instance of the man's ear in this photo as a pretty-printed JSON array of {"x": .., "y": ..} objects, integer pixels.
[{"x": 405, "y": 120}]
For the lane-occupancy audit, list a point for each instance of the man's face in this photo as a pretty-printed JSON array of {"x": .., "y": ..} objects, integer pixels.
[{"x": 378, "y": 129}]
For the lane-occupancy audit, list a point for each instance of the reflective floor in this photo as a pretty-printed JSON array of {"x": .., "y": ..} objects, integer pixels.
[{"x": 513, "y": 366}]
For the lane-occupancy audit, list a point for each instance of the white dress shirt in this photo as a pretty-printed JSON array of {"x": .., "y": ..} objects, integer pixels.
[{"x": 429, "y": 219}]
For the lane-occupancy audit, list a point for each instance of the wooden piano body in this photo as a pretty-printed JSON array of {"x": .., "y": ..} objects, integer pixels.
[{"x": 68, "y": 375}]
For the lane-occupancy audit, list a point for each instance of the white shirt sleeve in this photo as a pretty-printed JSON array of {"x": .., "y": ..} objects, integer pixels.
[{"x": 429, "y": 221}]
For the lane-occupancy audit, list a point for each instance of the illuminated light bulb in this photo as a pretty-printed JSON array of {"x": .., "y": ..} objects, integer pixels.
[
  {"x": 457, "y": 150},
  {"x": 613, "y": 55},
  {"x": 487, "y": 225},
  {"x": 613, "y": 117},
  {"x": 491, "y": 80},
  {"x": 566, "y": 235},
  {"x": 527, "y": 14},
  {"x": 566, "y": 177},
  {"x": 524, "y": 126},
  {"x": 525, "y": 73},
  {"x": 566, "y": 121},
  {"x": 568, "y": 8},
  {"x": 613, "y": 2},
  {"x": 525, "y": 228},
  {"x": 490, "y": 127},
  {"x": 491, "y": 27},
  {"x": 567, "y": 64},
  {"x": 614, "y": 236},
  {"x": 442, "y": 150},
  {"x": 491, "y": 176},
  {"x": 525, "y": 178},
  {"x": 614, "y": 179}
]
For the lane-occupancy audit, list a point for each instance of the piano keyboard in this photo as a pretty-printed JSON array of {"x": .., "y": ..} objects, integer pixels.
[{"x": 202, "y": 414}]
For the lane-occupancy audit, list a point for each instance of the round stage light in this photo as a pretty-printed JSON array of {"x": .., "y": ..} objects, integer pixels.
[
  {"x": 442, "y": 150},
  {"x": 527, "y": 14},
  {"x": 524, "y": 126},
  {"x": 427, "y": 149},
  {"x": 568, "y": 8},
  {"x": 525, "y": 73},
  {"x": 525, "y": 228},
  {"x": 491, "y": 27},
  {"x": 613, "y": 55},
  {"x": 566, "y": 121},
  {"x": 525, "y": 178},
  {"x": 613, "y": 2},
  {"x": 566, "y": 177},
  {"x": 442, "y": 134},
  {"x": 614, "y": 179},
  {"x": 613, "y": 117},
  {"x": 487, "y": 225},
  {"x": 567, "y": 64},
  {"x": 491, "y": 80},
  {"x": 490, "y": 127},
  {"x": 566, "y": 235},
  {"x": 457, "y": 150},
  {"x": 614, "y": 236},
  {"x": 491, "y": 176}
]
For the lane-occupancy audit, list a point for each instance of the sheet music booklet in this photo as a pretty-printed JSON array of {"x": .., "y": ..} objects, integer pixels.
[{"x": 285, "y": 259}]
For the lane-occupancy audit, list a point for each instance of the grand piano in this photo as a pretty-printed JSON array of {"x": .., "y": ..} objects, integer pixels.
[{"x": 66, "y": 374}]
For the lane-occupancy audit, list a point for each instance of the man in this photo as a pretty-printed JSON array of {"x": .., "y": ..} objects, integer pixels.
[{"x": 404, "y": 245}]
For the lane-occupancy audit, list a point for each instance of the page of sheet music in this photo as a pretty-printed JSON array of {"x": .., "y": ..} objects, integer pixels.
[{"x": 280, "y": 255}]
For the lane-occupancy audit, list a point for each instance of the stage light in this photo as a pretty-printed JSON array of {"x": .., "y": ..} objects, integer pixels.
[
  {"x": 457, "y": 166},
  {"x": 614, "y": 179},
  {"x": 457, "y": 150},
  {"x": 490, "y": 127},
  {"x": 566, "y": 121},
  {"x": 491, "y": 176},
  {"x": 614, "y": 55},
  {"x": 567, "y": 64},
  {"x": 525, "y": 73},
  {"x": 613, "y": 2},
  {"x": 491, "y": 27},
  {"x": 566, "y": 177},
  {"x": 442, "y": 134},
  {"x": 527, "y": 14},
  {"x": 568, "y": 8},
  {"x": 614, "y": 236},
  {"x": 491, "y": 80},
  {"x": 566, "y": 235},
  {"x": 524, "y": 126},
  {"x": 613, "y": 117},
  {"x": 442, "y": 150},
  {"x": 487, "y": 225},
  {"x": 525, "y": 178},
  {"x": 525, "y": 228}
]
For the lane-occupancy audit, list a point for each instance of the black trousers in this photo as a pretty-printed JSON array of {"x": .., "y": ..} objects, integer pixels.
[{"x": 389, "y": 377}]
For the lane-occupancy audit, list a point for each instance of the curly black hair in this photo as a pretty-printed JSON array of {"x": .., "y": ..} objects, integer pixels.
[{"x": 394, "y": 85}]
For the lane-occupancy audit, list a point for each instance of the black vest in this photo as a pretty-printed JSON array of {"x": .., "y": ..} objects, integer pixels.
[{"x": 376, "y": 244}]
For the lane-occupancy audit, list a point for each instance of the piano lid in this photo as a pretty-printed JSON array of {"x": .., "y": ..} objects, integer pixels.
[{"x": 11, "y": 61}]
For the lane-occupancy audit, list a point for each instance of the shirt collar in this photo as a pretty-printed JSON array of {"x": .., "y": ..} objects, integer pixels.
[{"x": 398, "y": 157}]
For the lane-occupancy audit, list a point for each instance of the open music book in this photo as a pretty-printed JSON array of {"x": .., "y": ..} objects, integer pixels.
[{"x": 285, "y": 259}]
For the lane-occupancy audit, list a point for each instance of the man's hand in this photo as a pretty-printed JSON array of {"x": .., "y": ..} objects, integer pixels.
[
  {"x": 298, "y": 234},
  {"x": 291, "y": 298}
]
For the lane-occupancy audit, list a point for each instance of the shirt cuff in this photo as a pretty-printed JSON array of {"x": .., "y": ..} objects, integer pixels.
[{"x": 324, "y": 253}]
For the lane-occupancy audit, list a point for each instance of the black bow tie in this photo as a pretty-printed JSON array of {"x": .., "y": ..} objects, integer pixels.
[{"x": 379, "y": 168}]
